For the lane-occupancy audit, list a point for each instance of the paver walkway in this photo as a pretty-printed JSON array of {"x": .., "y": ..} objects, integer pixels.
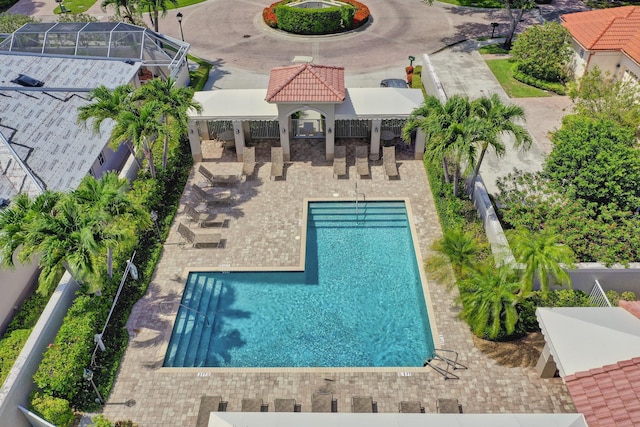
[{"x": 267, "y": 220}]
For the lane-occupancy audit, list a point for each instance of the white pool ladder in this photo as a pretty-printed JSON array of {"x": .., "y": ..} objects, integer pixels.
[{"x": 364, "y": 199}]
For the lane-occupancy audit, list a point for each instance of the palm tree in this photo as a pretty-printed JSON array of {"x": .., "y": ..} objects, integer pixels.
[
  {"x": 140, "y": 124},
  {"x": 72, "y": 232},
  {"x": 452, "y": 132},
  {"x": 543, "y": 257},
  {"x": 108, "y": 198},
  {"x": 155, "y": 7},
  {"x": 15, "y": 222},
  {"x": 174, "y": 101},
  {"x": 106, "y": 104},
  {"x": 489, "y": 296},
  {"x": 497, "y": 119},
  {"x": 127, "y": 10},
  {"x": 456, "y": 249}
]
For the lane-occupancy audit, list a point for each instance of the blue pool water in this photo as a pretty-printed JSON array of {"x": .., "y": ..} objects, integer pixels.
[{"x": 359, "y": 302}]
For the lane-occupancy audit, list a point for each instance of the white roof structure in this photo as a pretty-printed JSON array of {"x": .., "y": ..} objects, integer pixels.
[
  {"x": 360, "y": 103},
  {"x": 233, "y": 104},
  {"x": 583, "y": 338},
  {"x": 379, "y": 102},
  {"x": 41, "y": 144},
  {"x": 309, "y": 419}
]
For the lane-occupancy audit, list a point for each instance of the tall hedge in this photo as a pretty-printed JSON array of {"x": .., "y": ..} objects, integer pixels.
[{"x": 314, "y": 21}]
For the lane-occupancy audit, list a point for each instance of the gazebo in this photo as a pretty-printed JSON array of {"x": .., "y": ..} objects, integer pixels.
[{"x": 301, "y": 102}]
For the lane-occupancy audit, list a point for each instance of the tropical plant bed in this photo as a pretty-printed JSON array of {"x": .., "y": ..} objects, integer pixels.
[{"x": 313, "y": 21}]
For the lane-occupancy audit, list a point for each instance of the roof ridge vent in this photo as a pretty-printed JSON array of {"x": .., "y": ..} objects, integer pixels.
[{"x": 26, "y": 81}]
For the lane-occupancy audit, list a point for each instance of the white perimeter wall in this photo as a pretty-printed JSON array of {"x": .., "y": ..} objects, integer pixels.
[
  {"x": 18, "y": 385},
  {"x": 15, "y": 285}
]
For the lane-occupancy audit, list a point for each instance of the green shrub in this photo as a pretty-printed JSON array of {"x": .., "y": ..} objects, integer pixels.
[
  {"x": 558, "y": 88},
  {"x": 628, "y": 296},
  {"x": 10, "y": 348},
  {"x": 60, "y": 372},
  {"x": 56, "y": 411},
  {"x": 101, "y": 421},
  {"x": 560, "y": 298},
  {"x": 327, "y": 20}
]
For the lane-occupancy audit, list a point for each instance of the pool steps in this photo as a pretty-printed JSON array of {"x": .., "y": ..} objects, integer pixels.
[
  {"x": 194, "y": 330},
  {"x": 370, "y": 214}
]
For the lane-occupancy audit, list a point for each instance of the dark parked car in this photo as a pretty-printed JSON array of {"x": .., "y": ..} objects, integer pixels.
[{"x": 393, "y": 83}]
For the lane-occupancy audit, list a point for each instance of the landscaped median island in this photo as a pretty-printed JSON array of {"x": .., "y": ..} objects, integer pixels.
[{"x": 316, "y": 17}]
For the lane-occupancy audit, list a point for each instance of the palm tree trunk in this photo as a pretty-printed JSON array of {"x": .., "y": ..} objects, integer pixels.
[
  {"x": 513, "y": 23},
  {"x": 445, "y": 168},
  {"x": 476, "y": 170},
  {"x": 456, "y": 180},
  {"x": 149, "y": 154},
  {"x": 165, "y": 151}
]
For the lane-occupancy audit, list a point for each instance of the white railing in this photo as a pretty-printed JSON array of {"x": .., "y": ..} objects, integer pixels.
[{"x": 597, "y": 296}]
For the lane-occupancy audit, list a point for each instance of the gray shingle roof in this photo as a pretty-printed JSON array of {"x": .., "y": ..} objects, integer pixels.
[{"x": 41, "y": 124}]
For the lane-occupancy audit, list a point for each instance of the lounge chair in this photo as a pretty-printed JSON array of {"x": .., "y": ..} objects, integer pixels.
[
  {"x": 215, "y": 180},
  {"x": 389, "y": 161},
  {"x": 213, "y": 198},
  {"x": 363, "y": 404},
  {"x": 248, "y": 161},
  {"x": 254, "y": 405},
  {"x": 277, "y": 162},
  {"x": 448, "y": 406},
  {"x": 412, "y": 407},
  {"x": 209, "y": 404},
  {"x": 362, "y": 161},
  {"x": 205, "y": 219},
  {"x": 340, "y": 161},
  {"x": 284, "y": 405},
  {"x": 199, "y": 240},
  {"x": 323, "y": 402}
]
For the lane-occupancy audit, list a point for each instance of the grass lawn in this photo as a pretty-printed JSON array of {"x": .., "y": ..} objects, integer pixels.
[
  {"x": 495, "y": 4},
  {"x": 495, "y": 49},
  {"x": 81, "y": 6},
  {"x": 501, "y": 68}
]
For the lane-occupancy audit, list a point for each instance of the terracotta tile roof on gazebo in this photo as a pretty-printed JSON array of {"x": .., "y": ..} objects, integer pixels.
[
  {"x": 306, "y": 83},
  {"x": 616, "y": 28}
]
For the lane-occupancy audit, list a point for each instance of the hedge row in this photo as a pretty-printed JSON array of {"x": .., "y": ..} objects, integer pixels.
[
  {"x": 60, "y": 375},
  {"x": 558, "y": 88}
]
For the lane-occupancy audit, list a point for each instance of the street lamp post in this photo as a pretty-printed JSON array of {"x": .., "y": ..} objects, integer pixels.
[{"x": 179, "y": 16}]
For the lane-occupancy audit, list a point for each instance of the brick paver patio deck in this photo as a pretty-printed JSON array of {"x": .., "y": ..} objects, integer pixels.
[{"x": 266, "y": 221}]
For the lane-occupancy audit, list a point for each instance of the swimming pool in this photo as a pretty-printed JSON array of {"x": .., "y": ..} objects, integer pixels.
[{"x": 358, "y": 303}]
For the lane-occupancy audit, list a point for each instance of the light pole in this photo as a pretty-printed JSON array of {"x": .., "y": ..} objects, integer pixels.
[
  {"x": 154, "y": 218},
  {"x": 88, "y": 375},
  {"x": 179, "y": 16},
  {"x": 130, "y": 269}
]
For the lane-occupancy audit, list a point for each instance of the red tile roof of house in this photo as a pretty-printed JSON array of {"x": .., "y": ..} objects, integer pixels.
[
  {"x": 608, "y": 396},
  {"x": 615, "y": 28},
  {"x": 306, "y": 83},
  {"x": 632, "y": 307}
]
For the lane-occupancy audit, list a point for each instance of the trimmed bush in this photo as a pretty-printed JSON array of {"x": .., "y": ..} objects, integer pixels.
[
  {"x": 314, "y": 21},
  {"x": 558, "y": 88},
  {"x": 60, "y": 372},
  {"x": 56, "y": 411},
  {"x": 348, "y": 19},
  {"x": 10, "y": 348}
]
